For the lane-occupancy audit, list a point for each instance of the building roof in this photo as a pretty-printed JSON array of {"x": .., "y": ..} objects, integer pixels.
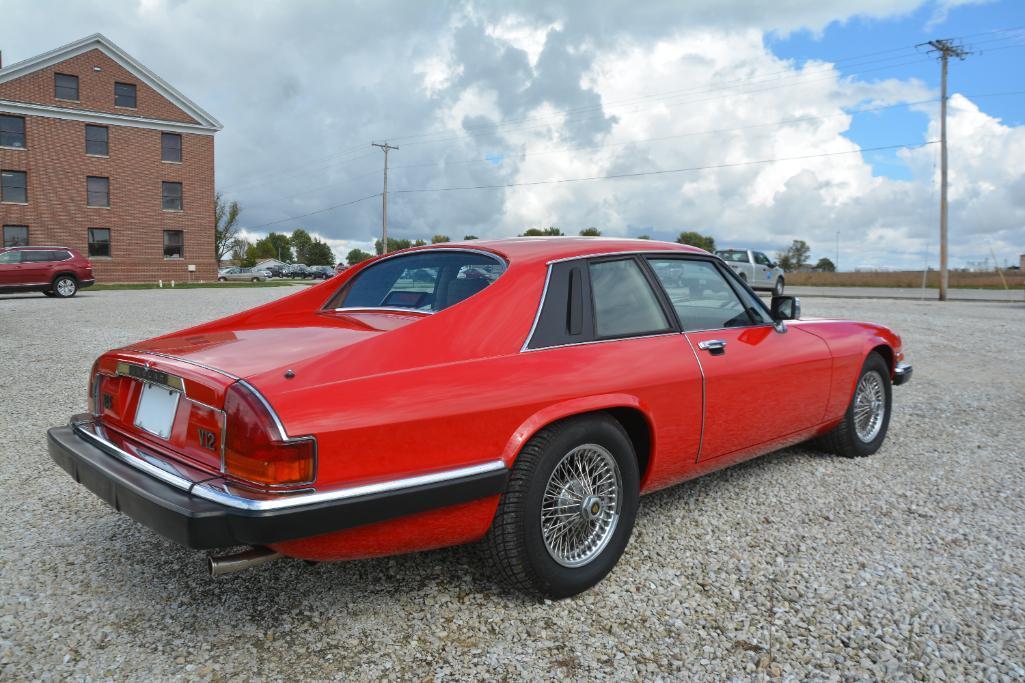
[{"x": 98, "y": 41}]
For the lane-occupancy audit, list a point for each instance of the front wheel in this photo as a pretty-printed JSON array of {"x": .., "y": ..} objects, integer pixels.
[
  {"x": 222, "y": 279},
  {"x": 863, "y": 428},
  {"x": 256, "y": 279},
  {"x": 65, "y": 287},
  {"x": 777, "y": 289},
  {"x": 569, "y": 509}
]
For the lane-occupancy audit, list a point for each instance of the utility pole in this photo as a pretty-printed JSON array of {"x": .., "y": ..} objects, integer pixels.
[
  {"x": 837, "y": 264},
  {"x": 945, "y": 49},
  {"x": 384, "y": 195}
]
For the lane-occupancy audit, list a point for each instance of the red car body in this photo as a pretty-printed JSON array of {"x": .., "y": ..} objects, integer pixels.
[
  {"x": 437, "y": 406},
  {"x": 56, "y": 271}
]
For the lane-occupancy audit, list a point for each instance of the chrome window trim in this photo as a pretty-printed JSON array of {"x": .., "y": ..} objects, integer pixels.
[
  {"x": 537, "y": 315},
  {"x": 605, "y": 341},
  {"x": 210, "y": 491},
  {"x": 380, "y": 309}
]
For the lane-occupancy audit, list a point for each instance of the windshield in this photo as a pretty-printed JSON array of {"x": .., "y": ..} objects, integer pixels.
[{"x": 428, "y": 281}]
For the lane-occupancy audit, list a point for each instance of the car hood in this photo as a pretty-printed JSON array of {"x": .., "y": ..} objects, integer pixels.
[{"x": 249, "y": 350}]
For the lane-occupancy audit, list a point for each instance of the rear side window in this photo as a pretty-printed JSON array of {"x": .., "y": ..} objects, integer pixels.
[
  {"x": 427, "y": 281},
  {"x": 624, "y": 303},
  {"x": 36, "y": 256}
]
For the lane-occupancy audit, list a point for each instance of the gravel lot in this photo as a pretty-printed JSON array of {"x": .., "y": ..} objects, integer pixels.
[{"x": 908, "y": 564}]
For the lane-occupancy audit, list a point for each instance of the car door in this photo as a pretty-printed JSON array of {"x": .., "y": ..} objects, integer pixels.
[
  {"x": 763, "y": 270},
  {"x": 36, "y": 267},
  {"x": 761, "y": 383},
  {"x": 10, "y": 268}
]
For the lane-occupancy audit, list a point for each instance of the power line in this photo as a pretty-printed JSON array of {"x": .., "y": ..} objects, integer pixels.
[
  {"x": 314, "y": 213},
  {"x": 638, "y": 174}
]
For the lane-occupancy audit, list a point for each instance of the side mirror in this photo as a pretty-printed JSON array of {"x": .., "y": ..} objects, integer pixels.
[
  {"x": 786, "y": 308},
  {"x": 773, "y": 264}
]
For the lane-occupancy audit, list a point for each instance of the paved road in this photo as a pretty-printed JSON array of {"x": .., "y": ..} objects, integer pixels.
[{"x": 908, "y": 293}]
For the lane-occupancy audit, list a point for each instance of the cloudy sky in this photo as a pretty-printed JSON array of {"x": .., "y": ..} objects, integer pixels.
[{"x": 755, "y": 122}]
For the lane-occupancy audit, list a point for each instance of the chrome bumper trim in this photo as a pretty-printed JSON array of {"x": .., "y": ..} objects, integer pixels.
[
  {"x": 902, "y": 373},
  {"x": 215, "y": 490}
]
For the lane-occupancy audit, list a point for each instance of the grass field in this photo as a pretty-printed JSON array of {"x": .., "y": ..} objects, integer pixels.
[{"x": 1014, "y": 279}]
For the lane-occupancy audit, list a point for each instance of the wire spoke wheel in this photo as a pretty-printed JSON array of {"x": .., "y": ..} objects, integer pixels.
[
  {"x": 581, "y": 505},
  {"x": 869, "y": 406}
]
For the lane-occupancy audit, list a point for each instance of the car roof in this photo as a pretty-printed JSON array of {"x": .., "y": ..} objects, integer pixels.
[
  {"x": 545, "y": 249},
  {"x": 36, "y": 246}
]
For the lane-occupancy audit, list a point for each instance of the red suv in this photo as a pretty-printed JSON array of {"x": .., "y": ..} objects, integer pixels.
[{"x": 54, "y": 271}]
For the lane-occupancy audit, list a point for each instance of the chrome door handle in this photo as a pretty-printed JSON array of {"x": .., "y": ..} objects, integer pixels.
[{"x": 716, "y": 347}]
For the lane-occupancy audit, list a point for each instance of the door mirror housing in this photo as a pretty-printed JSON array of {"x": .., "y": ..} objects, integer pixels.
[{"x": 786, "y": 308}]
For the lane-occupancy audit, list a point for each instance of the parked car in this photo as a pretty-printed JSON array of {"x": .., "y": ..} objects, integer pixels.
[
  {"x": 341, "y": 267},
  {"x": 530, "y": 404},
  {"x": 238, "y": 274},
  {"x": 298, "y": 271},
  {"x": 275, "y": 271},
  {"x": 754, "y": 268},
  {"x": 321, "y": 272},
  {"x": 55, "y": 271}
]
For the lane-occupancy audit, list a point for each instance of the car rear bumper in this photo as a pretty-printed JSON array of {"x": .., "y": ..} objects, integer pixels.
[
  {"x": 211, "y": 514},
  {"x": 82, "y": 284},
  {"x": 902, "y": 373}
]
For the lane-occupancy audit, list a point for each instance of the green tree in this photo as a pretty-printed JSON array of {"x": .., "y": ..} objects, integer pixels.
[
  {"x": 393, "y": 245},
  {"x": 696, "y": 239},
  {"x": 467, "y": 238},
  {"x": 795, "y": 256},
  {"x": 274, "y": 245},
  {"x": 301, "y": 241},
  {"x": 644, "y": 237},
  {"x": 551, "y": 231},
  {"x": 438, "y": 239},
  {"x": 357, "y": 256},
  {"x": 590, "y": 232},
  {"x": 419, "y": 243},
  {"x": 225, "y": 225},
  {"x": 319, "y": 254},
  {"x": 250, "y": 257},
  {"x": 239, "y": 248},
  {"x": 825, "y": 265}
]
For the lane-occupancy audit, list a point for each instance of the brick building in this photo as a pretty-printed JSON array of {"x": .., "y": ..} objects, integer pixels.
[{"x": 99, "y": 153}]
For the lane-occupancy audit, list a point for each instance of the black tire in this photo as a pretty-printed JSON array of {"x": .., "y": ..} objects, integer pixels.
[
  {"x": 48, "y": 293},
  {"x": 222, "y": 279},
  {"x": 256, "y": 279},
  {"x": 515, "y": 541},
  {"x": 844, "y": 439},
  {"x": 65, "y": 287},
  {"x": 777, "y": 289}
]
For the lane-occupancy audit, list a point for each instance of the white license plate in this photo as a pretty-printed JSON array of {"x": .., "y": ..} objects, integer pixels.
[{"x": 156, "y": 410}]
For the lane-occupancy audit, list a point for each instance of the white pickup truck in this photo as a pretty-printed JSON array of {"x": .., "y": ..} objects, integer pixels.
[{"x": 755, "y": 268}]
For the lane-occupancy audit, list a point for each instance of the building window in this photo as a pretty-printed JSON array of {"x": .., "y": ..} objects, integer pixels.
[
  {"x": 124, "y": 95},
  {"x": 15, "y": 235},
  {"x": 99, "y": 242},
  {"x": 12, "y": 131},
  {"x": 14, "y": 187},
  {"x": 170, "y": 147},
  {"x": 96, "y": 142},
  {"x": 174, "y": 244},
  {"x": 172, "y": 196},
  {"x": 97, "y": 191},
  {"x": 65, "y": 87}
]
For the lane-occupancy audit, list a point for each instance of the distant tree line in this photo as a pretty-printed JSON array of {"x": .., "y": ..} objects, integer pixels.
[{"x": 299, "y": 247}]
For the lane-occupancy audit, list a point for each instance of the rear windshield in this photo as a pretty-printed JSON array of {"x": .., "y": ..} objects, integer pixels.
[
  {"x": 732, "y": 255},
  {"x": 428, "y": 281}
]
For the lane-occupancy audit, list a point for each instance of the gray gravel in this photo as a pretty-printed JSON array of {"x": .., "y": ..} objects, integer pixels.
[{"x": 908, "y": 564}]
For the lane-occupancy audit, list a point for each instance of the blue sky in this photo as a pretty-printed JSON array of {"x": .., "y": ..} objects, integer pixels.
[{"x": 989, "y": 70}]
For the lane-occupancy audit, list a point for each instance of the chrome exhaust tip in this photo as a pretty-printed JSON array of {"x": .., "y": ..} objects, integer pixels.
[{"x": 229, "y": 564}]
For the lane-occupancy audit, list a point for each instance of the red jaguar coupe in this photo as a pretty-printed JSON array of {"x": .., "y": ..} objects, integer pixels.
[{"x": 524, "y": 391}]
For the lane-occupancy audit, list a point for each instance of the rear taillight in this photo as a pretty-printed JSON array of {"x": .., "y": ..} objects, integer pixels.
[
  {"x": 95, "y": 382},
  {"x": 256, "y": 451}
]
